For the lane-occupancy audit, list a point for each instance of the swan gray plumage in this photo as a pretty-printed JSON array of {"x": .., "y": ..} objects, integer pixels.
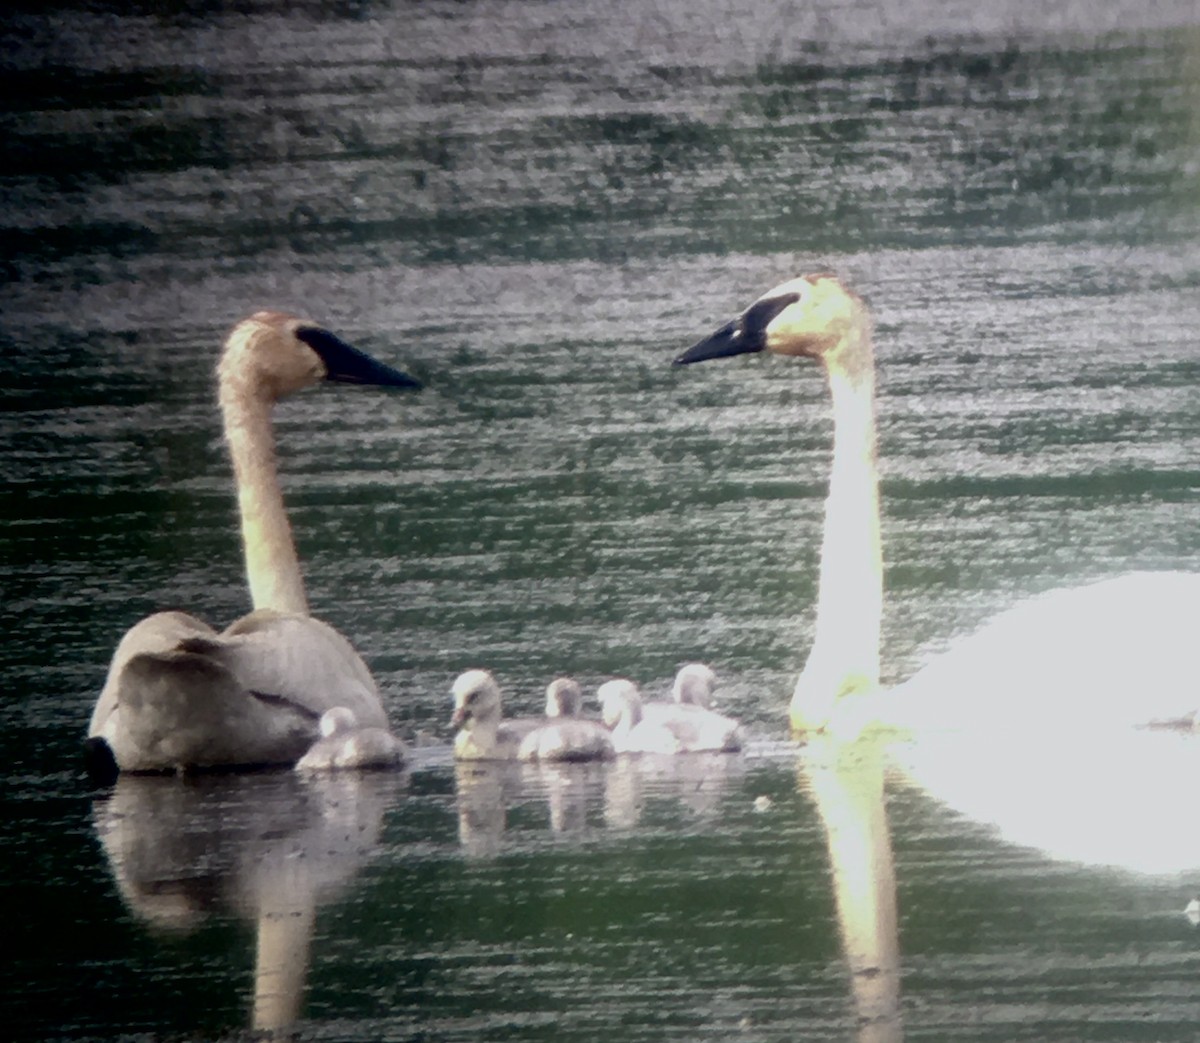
[
  {"x": 1037, "y": 650},
  {"x": 659, "y": 727},
  {"x": 344, "y": 744},
  {"x": 484, "y": 733},
  {"x": 179, "y": 695}
]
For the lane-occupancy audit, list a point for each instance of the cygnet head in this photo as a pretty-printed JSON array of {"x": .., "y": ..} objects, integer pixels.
[
  {"x": 620, "y": 701},
  {"x": 337, "y": 721},
  {"x": 476, "y": 699},
  {"x": 813, "y": 316},
  {"x": 272, "y": 354},
  {"x": 693, "y": 685},
  {"x": 564, "y": 698}
]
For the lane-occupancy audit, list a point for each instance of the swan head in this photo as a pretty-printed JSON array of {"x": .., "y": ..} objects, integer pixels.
[
  {"x": 564, "y": 698},
  {"x": 693, "y": 685},
  {"x": 813, "y": 316},
  {"x": 271, "y": 355},
  {"x": 620, "y": 702},
  {"x": 476, "y": 700}
]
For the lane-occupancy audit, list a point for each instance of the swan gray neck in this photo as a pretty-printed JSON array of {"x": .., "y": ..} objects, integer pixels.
[
  {"x": 845, "y": 654},
  {"x": 272, "y": 568}
]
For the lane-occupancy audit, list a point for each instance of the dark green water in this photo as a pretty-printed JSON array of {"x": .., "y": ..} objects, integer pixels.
[{"x": 535, "y": 207}]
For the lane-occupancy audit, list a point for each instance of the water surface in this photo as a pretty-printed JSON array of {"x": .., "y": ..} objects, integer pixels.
[{"x": 534, "y": 208}]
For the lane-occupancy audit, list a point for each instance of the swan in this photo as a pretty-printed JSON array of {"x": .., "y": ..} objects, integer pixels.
[
  {"x": 1109, "y": 653},
  {"x": 343, "y": 744},
  {"x": 179, "y": 695},
  {"x": 670, "y": 728},
  {"x": 484, "y": 735}
]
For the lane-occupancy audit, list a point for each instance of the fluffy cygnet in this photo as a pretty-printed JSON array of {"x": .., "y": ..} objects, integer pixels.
[
  {"x": 693, "y": 685},
  {"x": 565, "y": 736},
  {"x": 483, "y": 734},
  {"x": 658, "y": 727},
  {"x": 344, "y": 745}
]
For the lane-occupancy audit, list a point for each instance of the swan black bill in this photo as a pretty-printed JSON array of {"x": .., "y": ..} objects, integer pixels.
[
  {"x": 747, "y": 333},
  {"x": 347, "y": 365}
]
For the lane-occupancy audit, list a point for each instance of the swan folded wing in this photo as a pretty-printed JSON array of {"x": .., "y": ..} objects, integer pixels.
[
  {"x": 300, "y": 660},
  {"x": 186, "y": 709},
  {"x": 160, "y": 633}
]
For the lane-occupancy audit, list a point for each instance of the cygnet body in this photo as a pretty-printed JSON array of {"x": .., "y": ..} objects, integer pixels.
[
  {"x": 692, "y": 692},
  {"x": 344, "y": 745},
  {"x": 566, "y": 736},
  {"x": 659, "y": 727},
  {"x": 483, "y": 734},
  {"x": 693, "y": 685}
]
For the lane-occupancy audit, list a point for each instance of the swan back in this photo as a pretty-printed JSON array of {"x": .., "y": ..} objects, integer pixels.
[{"x": 1119, "y": 653}]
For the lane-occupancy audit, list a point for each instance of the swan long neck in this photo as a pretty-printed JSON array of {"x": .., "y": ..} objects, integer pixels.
[
  {"x": 272, "y": 567},
  {"x": 845, "y": 654}
]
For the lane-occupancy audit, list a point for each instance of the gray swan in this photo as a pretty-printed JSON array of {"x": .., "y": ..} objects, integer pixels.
[{"x": 179, "y": 695}]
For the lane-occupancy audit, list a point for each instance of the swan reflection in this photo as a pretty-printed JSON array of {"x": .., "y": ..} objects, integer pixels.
[
  {"x": 270, "y": 848},
  {"x": 1107, "y": 799},
  {"x": 1119, "y": 798},
  {"x": 845, "y": 782}
]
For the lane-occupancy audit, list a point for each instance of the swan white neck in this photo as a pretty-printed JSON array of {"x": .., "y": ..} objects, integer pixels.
[
  {"x": 845, "y": 654},
  {"x": 272, "y": 568}
]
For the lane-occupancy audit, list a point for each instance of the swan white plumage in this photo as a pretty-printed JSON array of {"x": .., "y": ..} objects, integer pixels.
[
  {"x": 659, "y": 727},
  {"x": 484, "y": 734},
  {"x": 179, "y": 695},
  {"x": 1114, "y": 652}
]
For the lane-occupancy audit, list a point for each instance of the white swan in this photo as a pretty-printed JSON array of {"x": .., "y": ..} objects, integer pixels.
[
  {"x": 345, "y": 745},
  {"x": 483, "y": 734},
  {"x": 179, "y": 695},
  {"x": 669, "y": 728},
  {"x": 1114, "y": 652}
]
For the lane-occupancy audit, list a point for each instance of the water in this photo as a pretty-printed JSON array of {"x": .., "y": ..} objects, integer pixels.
[{"x": 534, "y": 208}]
